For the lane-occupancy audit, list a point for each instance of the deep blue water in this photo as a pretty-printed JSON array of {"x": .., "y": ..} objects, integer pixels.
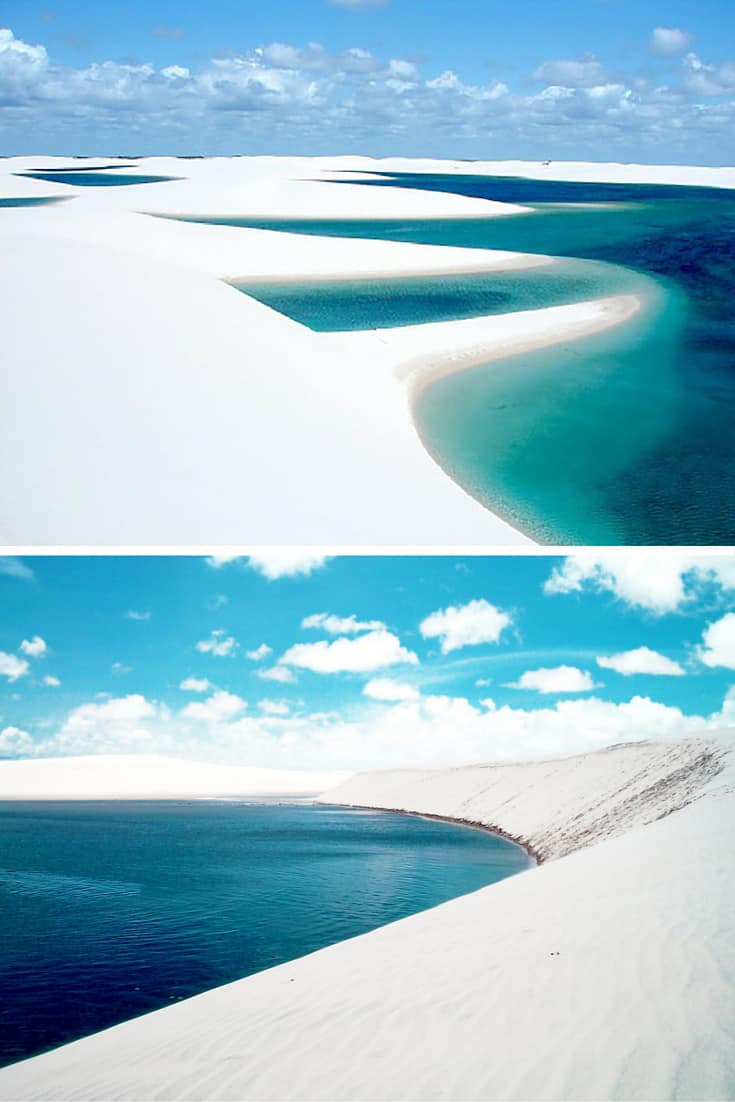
[
  {"x": 85, "y": 177},
  {"x": 641, "y": 447},
  {"x": 110, "y": 910}
]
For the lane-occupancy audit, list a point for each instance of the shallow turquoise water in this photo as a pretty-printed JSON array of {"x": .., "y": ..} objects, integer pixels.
[
  {"x": 110, "y": 910},
  {"x": 644, "y": 430},
  {"x": 350, "y": 304}
]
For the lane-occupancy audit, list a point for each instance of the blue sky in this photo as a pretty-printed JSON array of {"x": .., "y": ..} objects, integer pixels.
[
  {"x": 457, "y": 78},
  {"x": 359, "y": 662}
]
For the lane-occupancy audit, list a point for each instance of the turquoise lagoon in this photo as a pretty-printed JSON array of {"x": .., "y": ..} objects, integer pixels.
[
  {"x": 110, "y": 910},
  {"x": 623, "y": 437}
]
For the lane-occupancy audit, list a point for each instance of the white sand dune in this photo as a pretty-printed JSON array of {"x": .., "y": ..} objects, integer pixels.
[
  {"x": 605, "y": 973},
  {"x": 123, "y": 322},
  {"x": 149, "y": 776}
]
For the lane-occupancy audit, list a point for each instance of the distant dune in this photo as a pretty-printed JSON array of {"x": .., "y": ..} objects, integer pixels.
[
  {"x": 607, "y": 972},
  {"x": 142, "y": 776}
]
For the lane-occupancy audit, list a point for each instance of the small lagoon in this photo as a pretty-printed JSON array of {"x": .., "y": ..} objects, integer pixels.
[
  {"x": 85, "y": 177},
  {"x": 30, "y": 200},
  {"x": 112, "y": 909}
]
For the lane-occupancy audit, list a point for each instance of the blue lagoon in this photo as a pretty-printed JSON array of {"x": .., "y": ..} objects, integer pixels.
[{"x": 110, "y": 910}]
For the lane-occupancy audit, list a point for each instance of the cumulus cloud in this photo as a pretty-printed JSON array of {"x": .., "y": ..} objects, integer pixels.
[
  {"x": 259, "y": 653},
  {"x": 15, "y": 743},
  {"x": 216, "y": 708},
  {"x": 34, "y": 648},
  {"x": 582, "y": 73},
  {"x": 218, "y": 644},
  {"x": 423, "y": 730},
  {"x": 340, "y": 625},
  {"x": 718, "y": 643},
  {"x": 666, "y": 41},
  {"x": 385, "y": 688},
  {"x": 372, "y": 651},
  {"x": 131, "y": 614},
  {"x": 12, "y": 667},
  {"x": 225, "y": 559},
  {"x": 278, "y": 673},
  {"x": 119, "y": 724},
  {"x": 556, "y": 679},
  {"x": 284, "y": 95},
  {"x": 274, "y": 707},
  {"x": 286, "y": 564},
  {"x": 465, "y": 625},
  {"x": 708, "y": 80},
  {"x": 641, "y": 660},
  {"x": 9, "y": 565},
  {"x": 196, "y": 685},
  {"x": 658, "y": 584},
  {"x": 51, "y": 681}
]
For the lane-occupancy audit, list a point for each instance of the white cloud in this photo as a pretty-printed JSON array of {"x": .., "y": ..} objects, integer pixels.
[
  {"x": 708, "y": 80},
  {"x": 120, "y": 668},
  {"x": 131, "y": 614},
  {"x": 581, "y": 73},
  {"x": 340, "y": 625},
  {"x": 117, "y": 725},
  {"x": 373, "y": 651},
  {"x": 223, "y": 560},
  {"x": 219, "y": 644},
  {"x": 12, "y": 667},
  {"x": 556, "y": 679},
  {"x": 51, "y": 681},
  {"x": 385, "y": 688},
  {"x": 14, "y": 568},
  {"x": 286, "y": 564},
  {"x": 259, "y": 653},
  {"x": 641, "y": 660},
  {"x": 293, "y": 96},
  {"x": 427, "y": 730},
  {"x": 657, "y": 583},
  {"x": 278, "y": 673},
  {"x": 274, "y": 707},
  {"x": 466, "y": 625},
  {"x": 15, "y": 743},
  {"x": 718, "y": 643},
  {"x": 669, "y": 40},
  {"x": 34, "y": 648},
  {"x": 196, "y": 685},
  {"x": 218, "y": 707}
]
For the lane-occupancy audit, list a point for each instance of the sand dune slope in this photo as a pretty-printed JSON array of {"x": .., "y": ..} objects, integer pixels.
[{"x": 606, "y": 973}]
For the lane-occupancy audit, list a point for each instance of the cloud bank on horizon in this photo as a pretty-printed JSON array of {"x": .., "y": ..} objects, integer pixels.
[
  {"x": 428, "y": 660},
  {"x": 661, "y": 98}
]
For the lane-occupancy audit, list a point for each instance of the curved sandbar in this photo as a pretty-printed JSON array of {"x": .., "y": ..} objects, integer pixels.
[
  {"x": 554, "y": 325},
  {"x": 604, "y": 973}
]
